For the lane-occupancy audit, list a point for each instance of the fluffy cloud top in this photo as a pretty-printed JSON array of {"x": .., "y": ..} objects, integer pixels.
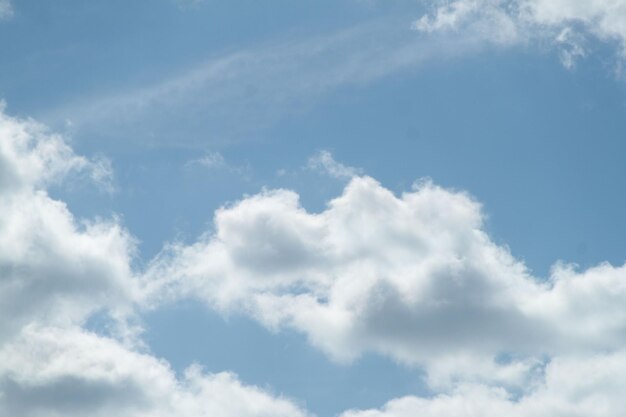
[{"x": 415, "y": 277}]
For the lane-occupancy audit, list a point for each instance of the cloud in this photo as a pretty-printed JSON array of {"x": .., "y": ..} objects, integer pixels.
[
  {"x": 411, "y": 276},
  {"x": 210, "y": 160},
  {"x": 323, "y": 161},
  {"x": 225, "y": 98},
  {"x": 414, "y": 277},
  {"x": 6, "y": 9},
  {"x": 588, "y": 386},
  {"x": 229, "y": 96},
  {"x": 215, "y": 161},
  {"x": 50, "y": 372},
  {"x": 564, "y": 23},
  {"x": 52, "y": 267},
  {"x": 55, "y": 273},
  {"x": 33, "y": 158}
]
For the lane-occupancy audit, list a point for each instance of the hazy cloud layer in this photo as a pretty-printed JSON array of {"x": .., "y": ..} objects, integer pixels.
[
  {"x": 228, "y": 96},
  {"x": 6, "y": 9}
]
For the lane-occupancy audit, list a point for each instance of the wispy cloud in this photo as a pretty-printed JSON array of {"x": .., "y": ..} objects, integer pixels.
[
  {"x": 6, "y": 9},
  {"x": 228, "y": 97},
  {"x": 231, "y": 95},
  {"x": 215, "y": 161},
  {"x": 323, "y": 161}
]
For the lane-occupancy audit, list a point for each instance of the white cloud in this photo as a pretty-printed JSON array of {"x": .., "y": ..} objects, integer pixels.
[
  {"x": 55, "y": 273},
  {"x": 227, "y": 97},
  {"x": 590, "y": 386},
  {"x": 53, "y": 268},
  {"x": 414, "y": 277},
  {"x": 323, "y": 161},
  {"x": 565, "y": 23},
  {"x": 483, "y": 19},
  {"x": 50, "y": 372},
  {"x": 32, "y": 158}
]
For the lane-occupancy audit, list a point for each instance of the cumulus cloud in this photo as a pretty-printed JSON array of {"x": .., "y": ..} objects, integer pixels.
[
  {"x": 55, "y": 273},
  {"x": 565, "y": 23},
  {"x": 413, "y": 276}
]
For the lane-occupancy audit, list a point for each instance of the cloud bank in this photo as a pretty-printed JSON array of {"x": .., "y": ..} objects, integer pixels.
[{"x": 412, "y": 276}]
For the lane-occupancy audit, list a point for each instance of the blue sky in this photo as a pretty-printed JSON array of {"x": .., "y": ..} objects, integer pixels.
[{"x": 350, "y": 207}]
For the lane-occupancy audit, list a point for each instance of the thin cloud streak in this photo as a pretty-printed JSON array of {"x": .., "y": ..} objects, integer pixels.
[{"x": 232, "y": 95}]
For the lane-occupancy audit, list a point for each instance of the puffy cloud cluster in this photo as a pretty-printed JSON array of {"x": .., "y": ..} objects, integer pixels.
[
  {"x": 565, "y": 23},
  {"x": 414, "y": 277},
  {"x": 55, "y": 273},
  {"x": 411, "y": 276}
]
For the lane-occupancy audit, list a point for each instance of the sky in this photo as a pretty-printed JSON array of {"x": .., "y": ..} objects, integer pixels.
[{"x": 351, "y": 208}]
